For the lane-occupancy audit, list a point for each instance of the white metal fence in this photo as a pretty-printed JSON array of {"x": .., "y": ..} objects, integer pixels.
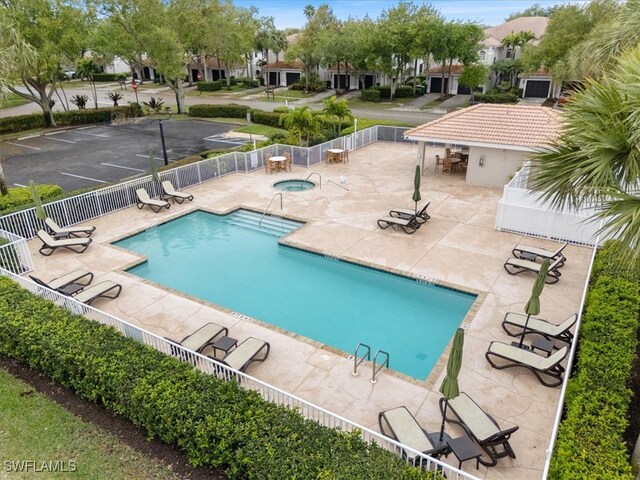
[
  {"x": 207, "y": 365},
  {"x": 80, "y": 208},
  {"x": 14, "y": 253},
  {"x": 521, "y": 211}
]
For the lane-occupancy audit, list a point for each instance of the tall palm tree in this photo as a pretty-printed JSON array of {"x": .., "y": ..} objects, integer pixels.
[
  {"x": 86, "y": 68},
  {"x": 337, "y": 111},
  {"x": 301, "y": 122},
  {"x": 595, "y": 161}
]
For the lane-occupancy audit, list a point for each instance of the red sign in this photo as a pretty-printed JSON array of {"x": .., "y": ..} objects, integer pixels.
[
  {"x": 199, "y": 76},
  {"x": 134, "y": 85}
]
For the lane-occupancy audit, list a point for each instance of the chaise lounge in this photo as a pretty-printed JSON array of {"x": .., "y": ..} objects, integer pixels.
[
  {"x": 50, "y": 244},
  {"x": 246, "y": 353},
  {"x": 514, "y": 323},
  {"x": 481, "y": 427},
  {"x": 533, "y": 253},
  {"x": 174, "y": 194},
  {"x": 77, "y": 277},
  {"x": 99, "y": 290},
  {"x": 203, "y": 337},
  {"x": 547, "y": 369},
  {"x": 402, "y": 426},
  {"x": 421, "y": 217},
  {"x": 66, "y": 232},
  {"x": 144, "y": 199},
  {"x": 514, "y": 266},
  {"x": 407, "y": 225}
]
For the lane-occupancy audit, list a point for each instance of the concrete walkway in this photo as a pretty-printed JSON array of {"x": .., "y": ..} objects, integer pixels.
[{"x": 423, "y": 100}]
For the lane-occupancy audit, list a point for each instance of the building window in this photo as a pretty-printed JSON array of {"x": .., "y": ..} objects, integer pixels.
[
  {"x": 483, "y": 55},
  {"x": 509, "y": 53}
]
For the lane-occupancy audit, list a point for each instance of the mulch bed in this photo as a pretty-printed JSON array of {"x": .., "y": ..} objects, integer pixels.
[{"x": 117, "y": 426}]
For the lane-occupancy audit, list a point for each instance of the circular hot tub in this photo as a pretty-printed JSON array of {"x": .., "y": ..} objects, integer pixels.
[{"x": 294, "y": 185}]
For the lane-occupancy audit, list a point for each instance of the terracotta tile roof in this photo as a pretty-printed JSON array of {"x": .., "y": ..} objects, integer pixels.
[
  {"x": 455, "y": 70},
  {"x": 527, "y": 126},
  {"x": 285, "y": 65},
  {"x": 537, "y": 25},
  {"x": 491, "y": 42}
]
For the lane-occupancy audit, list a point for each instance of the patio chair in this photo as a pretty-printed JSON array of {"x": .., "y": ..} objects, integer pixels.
[
  {"x": 421, "y": 217},
  {"x": 286, "y": 165},
  {"x": 79, "y": 277},
  {"x": 99, "y": 290},
  {"x": 481, "y": 427},
  {"x": 403, "y": 427},
  {"x": 533, "y": 253},
  {"x": 407, "y": 225},
  {"x": 269, "y": 166},
  {"x": 514, "y": 323},
  {"x": 203, "y": 337},
  {"x": 514, "y": 266},
  {"x": 144, "y": 199},
  {"x": 438, "y": 162},
  {"x": 547, "y": 369},
  {"x": 246, "y": 353},
  {"x": 50, "y": 244},
  {"x": 447, "y": 165},
  {"x": 174, "y": 194},
  {"x": 64, "y": 232}
]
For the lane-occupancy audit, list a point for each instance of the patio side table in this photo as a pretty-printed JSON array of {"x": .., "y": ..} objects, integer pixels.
[{"x": 465, "y": 449}]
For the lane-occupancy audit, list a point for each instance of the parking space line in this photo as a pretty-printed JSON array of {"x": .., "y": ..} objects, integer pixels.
[
  {"x": 86, "y": 128},
  {"x": 25, "y": 146},
  {"x": 29, "y": 136},
  {"x": 121, "y": 166},
  {"x": 60, "y": 140},
  {"x": 20, "y": 185},
  {"x": 85, "y": 178},
  {"x": 94, "y": 134},
  {"x": 55, "y": 133},
  {"x": 143, "y": 156}
]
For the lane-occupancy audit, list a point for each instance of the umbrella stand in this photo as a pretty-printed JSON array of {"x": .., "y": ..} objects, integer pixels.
[
  {"x": 533, "y": 305},
  {"x": 416, "y": 187},
  {"x": 524, "y": 331},
  {"x": 444, "y": 415}
]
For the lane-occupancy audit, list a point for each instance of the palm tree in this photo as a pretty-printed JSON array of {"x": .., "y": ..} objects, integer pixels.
[
  {"x": 337, "y": 111},
  {"x": 300, "y": 121},
  {"x": 86, "y": 68},
  {"x": 594, "y": 161}
]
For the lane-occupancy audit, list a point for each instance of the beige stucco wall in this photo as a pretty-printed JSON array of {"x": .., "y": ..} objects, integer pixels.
[{"x": 498, "y": 165}]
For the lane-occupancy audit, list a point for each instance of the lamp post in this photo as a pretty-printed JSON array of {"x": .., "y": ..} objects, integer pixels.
[{"x": 164, "y": 147}]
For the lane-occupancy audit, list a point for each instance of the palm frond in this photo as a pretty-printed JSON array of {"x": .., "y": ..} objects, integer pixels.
[{"x": 622, "y": 217}]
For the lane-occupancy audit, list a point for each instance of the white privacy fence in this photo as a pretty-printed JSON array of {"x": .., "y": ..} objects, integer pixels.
[
  {"x": 268, "y": 392},
  {"x": 80, "y": 208},
  {"x": 521, "y": 211}
]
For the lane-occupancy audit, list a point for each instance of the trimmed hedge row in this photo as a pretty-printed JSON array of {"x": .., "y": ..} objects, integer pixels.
[
  {"x": 219, "y": 111},
  {"x": 370, "y": 95},
  {"x": 73, "y": 117},
  {"x": 495, "y": 98},
  {"x": 401, "y": 92},
  {"x": 216, "y": 422},
  {"x": 22, "y": 196},
  {"x": 108, "y": 77},
  {"x": 271, "y": 119},
  {"x": 590, "y": 443},
  {"x": 209, "y": 86}
]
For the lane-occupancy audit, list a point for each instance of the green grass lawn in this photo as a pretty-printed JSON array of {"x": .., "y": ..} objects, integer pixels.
[
  {"x": 357, "y": 102},
  {"x": 34, "y": 428},
  {"x": 256, "y": 129},
  {"x": 13, "y": 101}
]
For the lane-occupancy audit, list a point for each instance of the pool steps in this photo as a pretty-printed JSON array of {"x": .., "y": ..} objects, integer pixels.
[{"x": 272, "y": 225}]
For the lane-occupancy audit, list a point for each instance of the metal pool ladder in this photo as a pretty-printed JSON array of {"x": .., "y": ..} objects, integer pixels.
[
  {"x": 357, "y": 361},
  {"x": 383, "y": 364},
  {"x": 269, "y": 206},
  {"x": 311, "y": 175}
]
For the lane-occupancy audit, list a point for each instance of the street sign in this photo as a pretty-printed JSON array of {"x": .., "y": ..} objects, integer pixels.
[
  {"x": 134, "y": 85},
  {"x": 199, "y": 76}
]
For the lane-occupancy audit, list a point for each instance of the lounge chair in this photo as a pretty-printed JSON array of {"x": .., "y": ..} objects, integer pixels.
[
  {"x": 533, "y": 253},
  {"x": 246, "y": 353},
  {"x": 174, "y": 194},
  {"x": 77, "y": 277},
  {"x": 407, "y": 225},
  {"x": 421, "y": 217},
  {"x": 547, "y": 369},
  {"x": 403, "y": 427},
  {"x": 481, "y": 427},
  {"x": 513, "y": 324},
  {"x": 65, "y": 232},
  {"x": 203, "y": 337},
  {"x": 99, "y": 290},
  {"x": 50, "y": 244},
  {"x": 519, "y": 265},
  {"x": 144, "y": 199}
]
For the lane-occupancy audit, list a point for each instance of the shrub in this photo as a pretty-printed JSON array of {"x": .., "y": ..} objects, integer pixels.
[
  {"x": 219, "y": 111},
  {"x": 371, "y": 95},
  {"x": 266, "y": 118},
  {"x": 21, "y": 196},
  {"x": 106, "y": 77},
  {"x": 370, "y": 122},
  {"x": 590, "y": 443},
  {"x": 282, "y": 109},
  {"x": 215, "y": 422},
  {"x": 79, "y": 101},
  {"x": 21, "y": 122},
  {"x": 154, "y": 104},
  {"x": 210, "y": 86},
  {"x": 496, "y": 98},
  {"x": 248, "y": 82}
]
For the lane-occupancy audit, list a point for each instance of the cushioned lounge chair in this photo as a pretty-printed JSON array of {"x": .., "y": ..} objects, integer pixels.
[
  {"x": 64, "y": 232},
  {"x": 407, "y": 225},
  {"x": 547, "y": 369},
  {"x": 533, "y": 253},
  {"x": 481, "y": 427},
  {"x": 50, "y": 244},
  {"x": 203, "y": 337},
  {"x": 104, "y": 289},
  {"x": 144, "y": 199},
  {"x": 77, "y": 277},
  {"x": 399, "y": 424},
  {"x": 174, "y": 194},
  {"x": 421, "y": 217},
  {"x": 249, "y": 351},
  {"x": 513, "y": 324},
  {"x": 514, "y": 266}
]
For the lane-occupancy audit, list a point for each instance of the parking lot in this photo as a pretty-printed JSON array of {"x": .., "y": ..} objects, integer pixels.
[{"x": 105, "y": 154}]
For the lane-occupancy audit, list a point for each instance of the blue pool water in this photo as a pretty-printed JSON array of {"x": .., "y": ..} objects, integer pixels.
[{"x": 336, "y": 303}]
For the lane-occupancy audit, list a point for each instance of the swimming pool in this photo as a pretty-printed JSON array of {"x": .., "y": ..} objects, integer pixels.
[{"x": 225, "y": 260}]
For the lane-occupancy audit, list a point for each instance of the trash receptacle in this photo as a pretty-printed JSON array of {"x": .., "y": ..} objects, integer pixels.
[{"x": 422, "y": 89}]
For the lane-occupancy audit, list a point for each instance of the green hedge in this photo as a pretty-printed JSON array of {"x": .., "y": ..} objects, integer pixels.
[
  {"x": 266, "y": 118},
  {"x": 370, "y": 95},
  {"x": 495, "y": 98},
  {"x": 401, "y": 92},
  {"x": 219, "y": 111},
  {"x": 108, "y": 77},
  {"x": 216, "y": 422},
  {"x": 22, "y": 196},
  {"x": 209, "y": 86},
  {"x": 590, "y": 443}
]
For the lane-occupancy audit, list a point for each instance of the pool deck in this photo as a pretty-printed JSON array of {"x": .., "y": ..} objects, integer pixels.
[{"x": 458, "y": 246}]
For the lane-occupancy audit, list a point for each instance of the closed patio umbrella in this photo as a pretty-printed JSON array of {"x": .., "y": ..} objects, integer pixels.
[
  {"x": 449, "y": 387},
  {"x": 37, "y": 200},
  {"x": 416, "y": 187},
  {"x": 533, "y": 305}
]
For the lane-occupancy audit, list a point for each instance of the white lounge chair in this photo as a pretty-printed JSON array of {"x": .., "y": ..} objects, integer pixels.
[
  {"x": 246, "y": 353},
  {"x": 65, "y": 232},
  {"x": 99, "y": 290},
  {"x": 513, "y": 324},
  {"x": 533, "y": 253},
  {"x": 407, "y": 225},
  {"x": 203, "y": 337},
  {"x": 514, "y": 266},
  {"x": 406, "y": 213},
  {"x": 79, "y": 277},
  {"x": 174, "y": 194},
  {"x": 50, "y": 244},
  {"x": 144, "y": 199}
]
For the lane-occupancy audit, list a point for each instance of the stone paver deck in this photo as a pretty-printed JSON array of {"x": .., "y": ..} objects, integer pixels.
[{"x": 458, "y": 246}]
